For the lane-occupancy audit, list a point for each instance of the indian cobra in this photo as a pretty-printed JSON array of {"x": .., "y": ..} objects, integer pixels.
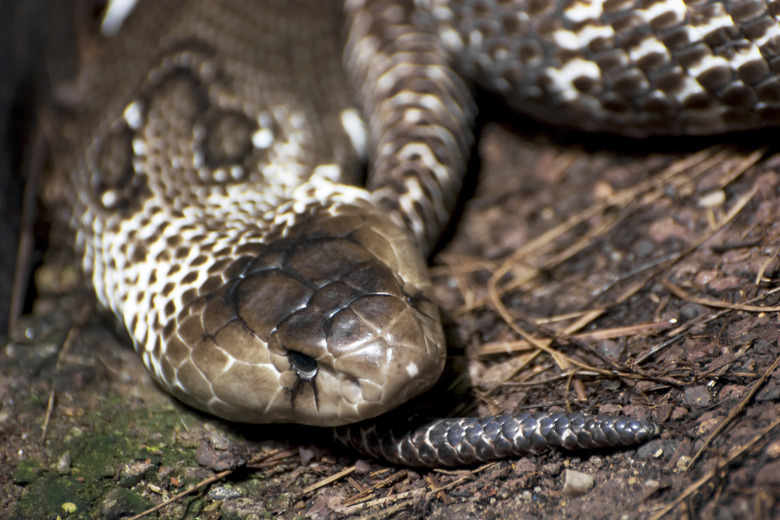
[{"x": 213, "y": 185}]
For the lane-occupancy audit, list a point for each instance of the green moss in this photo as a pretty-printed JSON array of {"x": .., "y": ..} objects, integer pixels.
[
  {"x": 27, "y": 471},
  {"x": 45, "y": 497},
  {"x": 123, "y": 502},
  {"x": 100, "y": 446}
]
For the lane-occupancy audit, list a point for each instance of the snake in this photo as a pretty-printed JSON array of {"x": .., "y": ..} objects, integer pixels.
[{"x": 215, "y": 191}]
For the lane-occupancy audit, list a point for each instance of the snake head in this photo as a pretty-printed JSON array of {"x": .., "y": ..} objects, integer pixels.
[{"x": 328, "y": 320}]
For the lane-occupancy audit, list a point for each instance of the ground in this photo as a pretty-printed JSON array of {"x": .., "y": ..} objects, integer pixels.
[{"x": 584, "y": 272}]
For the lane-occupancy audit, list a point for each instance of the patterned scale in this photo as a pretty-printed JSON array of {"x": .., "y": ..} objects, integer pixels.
[
  {"x": 213, "y": 185},
  {"x": 628, "y": 66}
]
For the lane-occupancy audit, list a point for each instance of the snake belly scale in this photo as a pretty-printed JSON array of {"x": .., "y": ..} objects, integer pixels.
[{"x": 213, "y": 185}]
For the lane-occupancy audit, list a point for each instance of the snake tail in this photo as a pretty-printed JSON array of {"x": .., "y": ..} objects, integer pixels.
[{"x": 473, "y": 440}]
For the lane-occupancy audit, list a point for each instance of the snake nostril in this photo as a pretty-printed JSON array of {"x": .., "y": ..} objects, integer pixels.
[{"x": 305, "y": 366}]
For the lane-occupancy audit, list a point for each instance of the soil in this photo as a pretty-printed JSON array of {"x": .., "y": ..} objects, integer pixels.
[{"x": 586, "y": 273}]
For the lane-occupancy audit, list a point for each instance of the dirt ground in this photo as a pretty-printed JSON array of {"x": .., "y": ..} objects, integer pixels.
[{"x": 588, "y": 273}]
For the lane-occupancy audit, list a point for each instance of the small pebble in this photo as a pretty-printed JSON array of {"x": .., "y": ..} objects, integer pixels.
[
  {"x": 223, "y": 493},
  {"x": 712, "y": 199},
  {"x": 63, "y": 464},
  {"x": 697, "y": 396},
  {"x": 683, "y": 463},
  {"x": 132, "y": 473},
  {"x": 576, "y": 483}
]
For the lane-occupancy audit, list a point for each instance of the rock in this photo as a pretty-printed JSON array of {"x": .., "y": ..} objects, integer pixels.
[{"x": 576, "y": 483}]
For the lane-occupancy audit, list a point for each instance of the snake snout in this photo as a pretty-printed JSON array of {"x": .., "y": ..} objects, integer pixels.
[{"x": 363, "y": 337}]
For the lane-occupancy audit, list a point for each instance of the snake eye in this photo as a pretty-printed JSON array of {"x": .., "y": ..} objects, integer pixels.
[{"x": 304, "y": 365}]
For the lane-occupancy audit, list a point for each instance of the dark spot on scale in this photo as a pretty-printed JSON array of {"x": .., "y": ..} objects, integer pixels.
[
  {"x": 211, "y": 284},
  {"x": 189, "y": 295},
  {"x": 585, "y": 84},
  {"x": 664, "y": 20},
  {"x": 189, "y": 278},
  {"x": 140, "y": 253},
  {"x": 229, "y": 137},
  {"x": 168, "y": 289},
  {"x": 199, "y": 260}
]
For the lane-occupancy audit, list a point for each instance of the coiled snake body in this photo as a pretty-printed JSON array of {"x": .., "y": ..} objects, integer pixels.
[{"x": 213, "y": 184}]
